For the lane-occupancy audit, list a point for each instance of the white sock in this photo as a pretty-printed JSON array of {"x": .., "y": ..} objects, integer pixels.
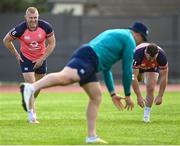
[
  {"x": 31, "y": 114},
  {"x": 35, "y": 115},
  {"x": 32, "y": 88},
  {"x": 147, "y": 111},
  {"x": 92, "y": 137}
]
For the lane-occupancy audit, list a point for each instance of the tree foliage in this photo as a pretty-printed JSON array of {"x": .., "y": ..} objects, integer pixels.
[{"x": 18, "y": 6}]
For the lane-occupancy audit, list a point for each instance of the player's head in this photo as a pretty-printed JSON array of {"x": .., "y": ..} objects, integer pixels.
[
  {"x": 151, "y": 51},
  {"x": 141, "y": 31},
  {"x": 32, "y": 16}
]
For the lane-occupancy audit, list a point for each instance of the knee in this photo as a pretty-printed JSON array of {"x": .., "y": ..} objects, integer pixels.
[
  {"x": 65, "y": 79},
  {"x": 97, "y": 99},
  {"x": 150, "y": 88}
]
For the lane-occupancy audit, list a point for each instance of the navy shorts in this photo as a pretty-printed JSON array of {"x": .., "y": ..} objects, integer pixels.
[
  {"x": 27, "y": 66},
  {"x": 156, "y": 69},
  {"x": 85, "y": 61}
]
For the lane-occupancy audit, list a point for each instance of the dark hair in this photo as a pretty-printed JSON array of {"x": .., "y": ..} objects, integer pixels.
[{"x": 152, "y": 49}]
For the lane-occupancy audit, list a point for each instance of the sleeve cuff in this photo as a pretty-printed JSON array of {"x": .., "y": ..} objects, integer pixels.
[{"x": 128, "y": 94}]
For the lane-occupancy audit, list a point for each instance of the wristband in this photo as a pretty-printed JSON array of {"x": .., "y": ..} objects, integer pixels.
[{"x": 112, "y": 94}]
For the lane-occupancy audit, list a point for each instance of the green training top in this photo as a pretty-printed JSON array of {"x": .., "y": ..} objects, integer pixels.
[{"x": 111, "y": 46}]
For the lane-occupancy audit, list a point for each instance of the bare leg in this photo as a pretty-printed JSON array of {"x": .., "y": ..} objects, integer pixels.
[
  {"x": 38, "y": 77},
  {"x": 151, "y": 80},
  {"x": 65, "y": 77},
  {"x": 94, "y": 92},
  {"x": 29, "y": 77}
]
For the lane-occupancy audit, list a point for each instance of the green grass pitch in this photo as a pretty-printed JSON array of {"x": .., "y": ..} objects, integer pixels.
[{"x": 62, "y": 119}]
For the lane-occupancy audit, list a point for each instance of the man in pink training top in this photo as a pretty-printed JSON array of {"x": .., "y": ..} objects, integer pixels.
[
  {"x": 32, "y": 35},
  {"x": 150, "y": 61}
]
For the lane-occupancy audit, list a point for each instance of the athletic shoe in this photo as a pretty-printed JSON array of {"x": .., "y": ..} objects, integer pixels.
[
  {"x": 147, "y": 111},
  {"x": 146, "y": 119},
  {"x": 26, "y": 92},
  {"x": 33, "y": 121},
  {"x": 95, "y": 140}
]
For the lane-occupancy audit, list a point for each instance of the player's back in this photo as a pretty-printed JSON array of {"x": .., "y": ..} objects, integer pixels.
[{"x": 110, "y": 45}]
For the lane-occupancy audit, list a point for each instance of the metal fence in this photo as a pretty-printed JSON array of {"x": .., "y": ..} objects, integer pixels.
[{"x": 71, "y": 32}]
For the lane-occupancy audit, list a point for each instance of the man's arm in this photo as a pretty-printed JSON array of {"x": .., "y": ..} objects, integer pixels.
[
  {"x": 163, "y": 83},
  {"x": 127, "y": 60},
  {"x": 136, "y": 88},
  {"x": 135, "y": 83},
  {"x": 8, "y": 42},
  {"x": 51, "y": 43},
  {"x": 109, "y": 81}
]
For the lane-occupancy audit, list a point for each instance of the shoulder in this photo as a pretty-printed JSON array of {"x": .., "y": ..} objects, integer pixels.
[
  {"x": 142, "y": 45},
  {"x": 43, "y": 23},
  {"x": 161, "y": 51},
  {"x": 46, "y": 26},
  {"x": 18, "y": 30},
  {"x": 162, "y": 59},
  {"x": 139, "y": 54},
  {"x": 140, "y": 49},
  {"x": 162, "y": 54}
]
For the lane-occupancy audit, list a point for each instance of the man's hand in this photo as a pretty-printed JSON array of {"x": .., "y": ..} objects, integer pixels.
[
  {"x": 141, "y": 101},
  {"x": 129, "y": 103},
  {"x": 19, "y": 59},
  {"x": 38, "y": 63},
  {"x": 158, "y": 100},
  {"x": 117, "y": 102}
]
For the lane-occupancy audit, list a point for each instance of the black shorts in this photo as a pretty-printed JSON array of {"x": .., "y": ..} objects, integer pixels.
[
  {"x": 85, "y": 61},
  {"x": 27, "y": 66},
  {"x": 156, "y": 69}
]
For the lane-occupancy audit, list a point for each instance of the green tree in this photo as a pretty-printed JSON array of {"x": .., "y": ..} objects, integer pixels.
[{"x": 17, "y": 6}]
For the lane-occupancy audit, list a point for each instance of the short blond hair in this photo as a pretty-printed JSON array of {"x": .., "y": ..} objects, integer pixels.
[{"x": 31, "y": 10}]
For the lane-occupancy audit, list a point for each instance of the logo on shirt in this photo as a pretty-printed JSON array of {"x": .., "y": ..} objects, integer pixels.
[
  {"x": 40, "y": 36},
  {"x": 82, "y": 71},
  {"x": 26, "y": 37},
  {"x": 34, "y": 45},
  {"x": 13, "y": 32},
  {"x": 26, "y": 68},
  {"x": 147, "y": 32},
  {"x": 134, "y": 62},
  {"x": 143, "y": 64},
  {"x": 153, "y": 65}
]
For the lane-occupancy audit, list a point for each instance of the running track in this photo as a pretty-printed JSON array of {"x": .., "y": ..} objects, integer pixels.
[{"x": 76, "y": 88}]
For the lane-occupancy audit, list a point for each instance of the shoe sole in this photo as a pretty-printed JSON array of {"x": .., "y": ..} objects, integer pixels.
[
  {"x": 99, "y": 141},
  {"x": 22, "y": 95},
  {"x": 36, "y": 122}
]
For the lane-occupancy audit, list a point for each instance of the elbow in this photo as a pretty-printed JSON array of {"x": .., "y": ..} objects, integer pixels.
[
  {"x": 4, "y": 41},
  {"x": 53, "y": 46}
]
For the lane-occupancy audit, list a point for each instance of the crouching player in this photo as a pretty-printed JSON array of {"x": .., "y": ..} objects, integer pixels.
[{"x": 149, "y": 63}]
